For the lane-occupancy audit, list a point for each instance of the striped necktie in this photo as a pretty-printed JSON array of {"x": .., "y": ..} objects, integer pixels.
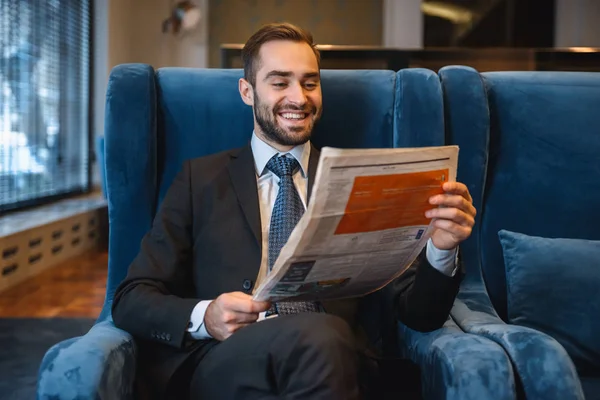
[{"x": 287, "y": 211}]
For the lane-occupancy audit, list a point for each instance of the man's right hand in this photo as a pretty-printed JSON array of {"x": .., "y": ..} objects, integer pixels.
[{"x": 230, "y": 312}]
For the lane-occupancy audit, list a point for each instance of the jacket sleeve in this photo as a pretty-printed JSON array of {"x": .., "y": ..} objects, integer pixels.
[
  {"x": 422, "y": 297},
  {"x": 154, "y": 302}
]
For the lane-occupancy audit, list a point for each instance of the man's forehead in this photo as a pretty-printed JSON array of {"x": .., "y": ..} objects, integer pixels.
[{"x": 283, "y": 55}]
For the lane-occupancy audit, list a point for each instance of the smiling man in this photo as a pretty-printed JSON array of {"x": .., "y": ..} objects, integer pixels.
[{"x": 187, "y": 296}]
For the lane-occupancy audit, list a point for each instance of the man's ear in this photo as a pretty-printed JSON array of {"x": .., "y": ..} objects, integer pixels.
[{"x": 246, "y": 92}]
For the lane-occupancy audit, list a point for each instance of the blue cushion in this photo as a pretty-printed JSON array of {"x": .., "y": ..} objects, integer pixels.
[{"x": 552, "y": 286}]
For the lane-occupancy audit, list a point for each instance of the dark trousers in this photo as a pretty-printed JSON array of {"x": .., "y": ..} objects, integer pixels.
[{"x": 304, "y": 356}]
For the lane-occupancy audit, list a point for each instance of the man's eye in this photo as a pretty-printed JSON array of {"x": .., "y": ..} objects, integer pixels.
[
  {"x": 310, "y": 85},
  {"x": 280, "y": 84}
]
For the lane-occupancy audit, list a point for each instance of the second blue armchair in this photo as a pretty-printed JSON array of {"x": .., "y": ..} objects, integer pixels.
[{"x": 530, "y": 146}]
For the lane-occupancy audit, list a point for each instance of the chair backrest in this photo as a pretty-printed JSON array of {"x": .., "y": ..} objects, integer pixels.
[
  {"x": 155, "y": 120},
  {"x": 530, "y": 154}
]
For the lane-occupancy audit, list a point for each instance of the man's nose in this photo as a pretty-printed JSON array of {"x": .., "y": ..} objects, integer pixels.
[{"x": 297, "y": 94}]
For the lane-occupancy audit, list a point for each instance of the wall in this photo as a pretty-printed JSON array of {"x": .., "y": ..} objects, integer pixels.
[
  {"x": 135, "y": 35},
  {"x": 577, "y": 23},
  {"x": 341, "y": 22}
]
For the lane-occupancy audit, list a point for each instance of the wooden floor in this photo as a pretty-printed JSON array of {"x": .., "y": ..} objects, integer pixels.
[{"x": 73, "y": 289}]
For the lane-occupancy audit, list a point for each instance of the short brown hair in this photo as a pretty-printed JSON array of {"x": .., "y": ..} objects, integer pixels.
[{"x": 267, "y": 33}]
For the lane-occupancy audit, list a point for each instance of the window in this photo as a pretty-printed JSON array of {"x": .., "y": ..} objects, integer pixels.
[{"x": 44, "y": 100}]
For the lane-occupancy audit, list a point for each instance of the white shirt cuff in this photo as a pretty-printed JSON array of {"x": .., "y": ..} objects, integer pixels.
[
  {"x": 443, "y": 260},
  {"x": 196, "y": 327}
]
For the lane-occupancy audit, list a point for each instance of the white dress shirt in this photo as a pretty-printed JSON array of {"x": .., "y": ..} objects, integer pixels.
[{"x": 268, "y": 187}]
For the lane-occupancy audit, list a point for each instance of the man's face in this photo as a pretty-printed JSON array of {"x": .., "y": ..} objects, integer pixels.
[{"x": 287, "y": 95}]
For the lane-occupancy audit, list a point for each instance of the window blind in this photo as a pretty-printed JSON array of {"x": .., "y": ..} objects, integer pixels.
[{"x": 44, "y": 100}]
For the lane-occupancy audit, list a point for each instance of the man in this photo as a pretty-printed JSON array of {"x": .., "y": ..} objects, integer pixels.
[{"x": 187, "y": 297}]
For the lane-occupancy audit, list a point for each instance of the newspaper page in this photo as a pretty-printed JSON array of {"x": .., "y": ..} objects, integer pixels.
[{"x": 365, "y": 223}]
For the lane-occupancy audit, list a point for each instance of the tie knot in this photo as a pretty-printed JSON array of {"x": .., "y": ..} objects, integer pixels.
[{"x": 283, "y": 166}]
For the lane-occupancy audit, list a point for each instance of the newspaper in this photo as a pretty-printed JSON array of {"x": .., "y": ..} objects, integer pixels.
[{"x": 365, "y": 223}]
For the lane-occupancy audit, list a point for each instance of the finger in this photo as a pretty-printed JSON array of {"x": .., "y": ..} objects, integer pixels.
[
  {"x": 247, "y": 305},
  {"x": 254, "y": 306},
  {"x": 235, "y": 305},
  {"x": 452, "y": 214},
  {"x": 260, "y": 306},
  {"x": 245, "y": 318},
  {"x": 236, "y": 302},
  {"x": 449, "y": 200},
  {"x": 457, "y": 188},
  {"x": 454, "y": 201},
  {"x": 234, "y": 317},
  {"x": 459, "y": 231}
]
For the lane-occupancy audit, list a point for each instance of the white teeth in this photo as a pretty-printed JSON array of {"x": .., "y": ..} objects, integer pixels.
[{"x": 293, "y": 115}]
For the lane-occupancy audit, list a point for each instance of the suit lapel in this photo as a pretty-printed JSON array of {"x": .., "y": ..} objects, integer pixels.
[
  {"x": 243, "y": 177},
  {"x": 313, "y": 163}
]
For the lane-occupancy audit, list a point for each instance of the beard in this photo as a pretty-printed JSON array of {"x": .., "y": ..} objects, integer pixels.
[{"x": 266, "y": 118}]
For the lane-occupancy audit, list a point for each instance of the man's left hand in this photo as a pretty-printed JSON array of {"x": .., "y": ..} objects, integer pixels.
[{"x": 454, "y": 218}]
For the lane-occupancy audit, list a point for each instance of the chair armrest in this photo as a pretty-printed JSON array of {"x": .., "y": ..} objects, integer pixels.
[
  {"x": 458, "y": 365},
  {"x": 543, "y": 366},
  {"x": 98, "y": 365}
]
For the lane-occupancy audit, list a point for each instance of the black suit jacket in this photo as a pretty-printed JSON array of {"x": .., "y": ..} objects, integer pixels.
[{"x": 206, "y": 240}]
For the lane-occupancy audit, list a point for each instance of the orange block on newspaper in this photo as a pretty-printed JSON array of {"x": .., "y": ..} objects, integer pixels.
[{"x": 390, "y": 201}]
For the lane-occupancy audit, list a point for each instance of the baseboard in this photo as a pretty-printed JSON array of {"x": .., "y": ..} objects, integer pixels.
[{"x": 35, "y": 240}]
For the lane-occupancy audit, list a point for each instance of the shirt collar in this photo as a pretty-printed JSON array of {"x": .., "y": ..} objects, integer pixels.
[{"x": 263, "y": 152}]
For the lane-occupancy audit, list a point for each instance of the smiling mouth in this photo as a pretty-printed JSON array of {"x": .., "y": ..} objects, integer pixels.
[{"x": 293, "y": 115}]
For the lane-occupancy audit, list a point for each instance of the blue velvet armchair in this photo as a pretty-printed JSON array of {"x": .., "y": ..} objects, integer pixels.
[
  {"x": 157, "y": 119},
  {"x": 530, "y": 155}
]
